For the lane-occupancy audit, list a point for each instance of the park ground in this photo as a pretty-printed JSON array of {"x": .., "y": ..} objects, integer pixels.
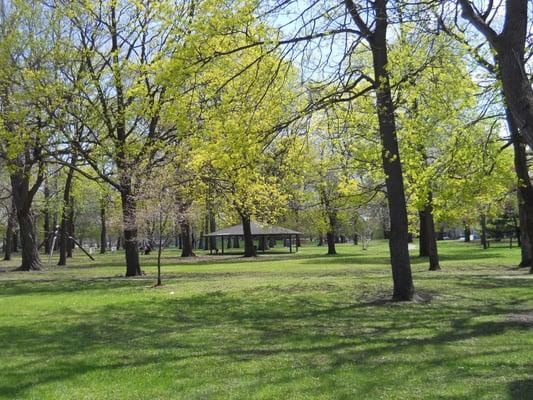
[{"x": 299, "y": 326}]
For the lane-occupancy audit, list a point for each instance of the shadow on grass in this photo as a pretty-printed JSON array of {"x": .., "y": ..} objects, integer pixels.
[
  {"x": 326, "y": 333},
  {"x": 521, "y": 390}
]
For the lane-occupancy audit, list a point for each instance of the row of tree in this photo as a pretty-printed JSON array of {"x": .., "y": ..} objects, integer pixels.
[{"x": 155, "y": 117}]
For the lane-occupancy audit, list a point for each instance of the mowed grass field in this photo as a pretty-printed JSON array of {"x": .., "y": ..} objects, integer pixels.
[{"x": 299, "y": 326}]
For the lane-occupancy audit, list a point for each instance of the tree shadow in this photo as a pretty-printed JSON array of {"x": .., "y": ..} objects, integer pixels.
[
  {"x": 521, "y": 389},
  {"x": 267, "y": 324}
]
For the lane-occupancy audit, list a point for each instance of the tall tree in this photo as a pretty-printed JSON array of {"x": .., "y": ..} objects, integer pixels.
[
  {"x": 120, "y": 46},
  {"x": 26, "y": 44},
  {"x": 375, "y": 33},
  {"x": 507, "y": 39}
]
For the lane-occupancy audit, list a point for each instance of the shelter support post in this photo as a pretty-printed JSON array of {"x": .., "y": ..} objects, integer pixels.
[{"x": 290, "y": 243}]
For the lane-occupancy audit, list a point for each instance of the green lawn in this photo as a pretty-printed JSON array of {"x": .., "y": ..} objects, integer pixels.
[{"x": 300, "y": 326}]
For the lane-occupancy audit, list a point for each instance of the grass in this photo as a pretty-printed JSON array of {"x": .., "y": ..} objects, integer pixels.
[{"x": 300, "y": 326}]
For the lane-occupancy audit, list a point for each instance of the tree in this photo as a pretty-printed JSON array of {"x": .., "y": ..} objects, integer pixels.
[
  {"x": 509, "y": 68},
  {"x": 118, "y": 100},
  {"x": 509, "y": 47},
  {"x": 26, "y": 45},
  {"x": 376, "y": 37},
  {"x": 240, "y": 130}
]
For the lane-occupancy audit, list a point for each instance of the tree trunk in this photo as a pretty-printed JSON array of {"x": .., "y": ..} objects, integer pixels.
[
  {"x": 249, "y": 248},
  {"x": 206, "y": 231},
  {"x": 187, "y": 247},
  {"x": 524, "y": 193},
  {"x": 15, "y": 239},
  {"x": 23, "y": 198},
  {"x": 31, "y": 260},
  {"x": 431, "y": 238},
  {"x": 65, "y": 219},
  {"x": 484, "y": 231},
  {"x": 160, "y": 248},
  {"x": 119, "y": 242},
  {"x": 525, "y": 243},
  {"x": 129, "y": 220},
  {"x": 423, "y": 239},
  {"x": 71, "y": 233},
  {"x": 468, "y": 232},
  {"x": 46, "y": 223},
  {"x": 54, "y": 228},
  {"x": 212, "y": 228},
  {"x": 392, "y": 166},
  {"x": 320, "y": 240},
  {"x": 330, "y": 234},
  {"x": 103, "y": 227},
  {"x": 8, "y": 245},
  {"x": 509, "y": 47},
  {"x": 263, "y": 243},
  {"x": 355, "y": 239},
  {"x": 330, "y": 238},
  {"x": 176, "y": 234}
]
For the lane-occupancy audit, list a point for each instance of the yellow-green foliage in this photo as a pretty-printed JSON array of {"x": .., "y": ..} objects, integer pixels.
[{"x": 446, "y": 148}]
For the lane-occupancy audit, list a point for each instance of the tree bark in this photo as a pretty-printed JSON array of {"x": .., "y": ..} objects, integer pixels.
[
  {"x": 399, "y": 235},
  {"x": 71, "y": 228},
  {"x": 8, "y": 245},
  {"x": 330, "y": 238},
  {"x": 524, "y": 241},
  {"x": 320, "y": 240},
  {"x": 103, "y": 227},
  {"x": 15, "y": 239},
  {"x": 46, "y": 222},
  {"x": 423, "y": 239},
  {"x": 263, "y": 243},
  {"x": 484, "y": 231},
  {"x": 23, "y": 198},
  {"x": 509, "y": 47},
  {"x": 249, "y": 248},
  {"x": 206, "y": 231},
  {"x": 431, "y": 238},
  {"x": 160, "y": 248},
  {"x": 129, "y": 220},
  {"x": 187, "y": 249},
  {"x": 524, "y": 193},
  {"x": 330, "y": 234},
  {"x": 468, "y": 232},
  {"x": 65, "y": 219},
  {"x": 212, "y": 228}
]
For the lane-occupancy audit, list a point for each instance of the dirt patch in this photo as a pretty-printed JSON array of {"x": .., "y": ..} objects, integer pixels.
[
  {"x": 385, "y": 298},
  {"x": 525, "y": 318}
]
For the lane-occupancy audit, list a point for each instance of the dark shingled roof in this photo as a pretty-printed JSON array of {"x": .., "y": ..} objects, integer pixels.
[{"x": 257, "y": 230}]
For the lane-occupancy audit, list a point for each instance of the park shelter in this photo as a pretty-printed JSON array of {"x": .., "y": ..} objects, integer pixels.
[{"x": 258, "y": 232}]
